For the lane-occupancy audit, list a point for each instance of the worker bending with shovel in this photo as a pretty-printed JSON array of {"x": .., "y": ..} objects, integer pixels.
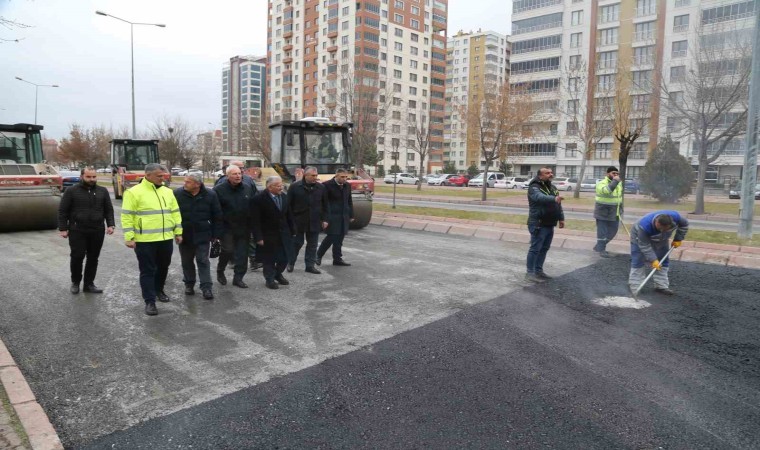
[{"x": 650, "y": 245}]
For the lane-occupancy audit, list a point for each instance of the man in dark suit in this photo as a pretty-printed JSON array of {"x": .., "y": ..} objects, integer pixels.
[
  {"x": 309, "y": 207},
  {"x": 341, "y": 214},
  {"x": 273, "y": 229},
  {"x": 235, "y": 198}
]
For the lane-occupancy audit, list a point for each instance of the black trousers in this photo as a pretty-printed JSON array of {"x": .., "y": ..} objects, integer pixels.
[
  {"x": 334, "y": 240},
  {"x": 312, "y": 240},
  {"x": 85, "y": 244},
  {"x": 154, "y": 259},
  {"x": 234, "y": 248}
]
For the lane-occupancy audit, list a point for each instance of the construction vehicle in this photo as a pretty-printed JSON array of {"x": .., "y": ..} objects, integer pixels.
[
  {"x": 128, "y": 160},
  {"x": 30, "y": 189},
  {"x": 326, "y": 145}
]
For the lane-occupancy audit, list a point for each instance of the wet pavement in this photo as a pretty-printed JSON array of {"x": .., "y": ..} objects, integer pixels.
[{"x": 427, "y": 341}]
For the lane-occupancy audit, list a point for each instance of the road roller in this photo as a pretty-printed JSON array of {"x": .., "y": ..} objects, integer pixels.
[
  {"x": 326, "y": 145},
  {"x": 30, "y": 189},
  {"x": 128, "y": 160}
]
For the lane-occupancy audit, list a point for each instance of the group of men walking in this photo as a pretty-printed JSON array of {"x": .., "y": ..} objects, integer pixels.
[
  {"x": 232, "y": 214},
  {"x": 649, "y": 237}
]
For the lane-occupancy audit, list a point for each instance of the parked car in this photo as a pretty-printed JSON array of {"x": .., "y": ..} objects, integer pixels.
[
  {"x": 430, "y": 176},
  {"x": 565, "y": 183},
  {"x": 441, "y": 180},
  {"x": 104, "y": 170},
  {"x": 401, "y": 178},
  {"x": 459, "y": 180},
  {"x": 190, "y": 172},
  {"x": 492, "y": 178},
  {"x": 176, "y": 170},
  {"x": 632, "y": 186},
  {"x": 736, "y": 191},
  {"x": 219, "y": 173},
  {"x": 512, "y": 183},
  {"x": 589, "y": 184},
  {"x": 70, "y": 178}
]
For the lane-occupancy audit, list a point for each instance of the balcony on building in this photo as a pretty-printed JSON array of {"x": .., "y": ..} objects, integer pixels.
[
  {"x": 521, "y": 6},
  {"x": 287, "y": 47},
  {"x": 288, "y": 59}
]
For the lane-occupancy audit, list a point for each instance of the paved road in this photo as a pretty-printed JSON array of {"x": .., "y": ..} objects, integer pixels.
[
  {"x": 630, "y": 218},
  {"x": 427, "y": 341}
]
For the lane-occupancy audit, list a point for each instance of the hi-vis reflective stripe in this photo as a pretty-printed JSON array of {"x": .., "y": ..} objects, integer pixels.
[
  {"x": 148, "y": 212},
  {"x": 127, "y": 230},
  {"x": 155, "y": 230}
]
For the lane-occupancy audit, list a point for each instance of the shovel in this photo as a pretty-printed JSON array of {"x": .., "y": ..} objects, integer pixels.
[
  {"x": 636, "y": 292},
  {"x": 625, "y": 227}
]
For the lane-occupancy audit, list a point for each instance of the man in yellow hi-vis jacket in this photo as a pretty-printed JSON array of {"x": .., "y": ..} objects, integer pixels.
[{"x": 150, "y": 219}]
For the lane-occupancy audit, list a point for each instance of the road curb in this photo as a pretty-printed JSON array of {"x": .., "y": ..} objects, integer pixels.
[
  {"x": 36, "y": 424},
  {"x": 692, "y": 251}
]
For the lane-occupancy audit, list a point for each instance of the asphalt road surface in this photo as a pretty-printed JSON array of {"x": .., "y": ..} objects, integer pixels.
[
  {"x": 427, "y": 341},
  {"x": 630, "y": 218}
]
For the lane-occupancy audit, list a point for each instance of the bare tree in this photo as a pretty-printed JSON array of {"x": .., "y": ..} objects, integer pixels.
[
  {"x": 9, "y": 24},
  {"x": 708, "y": 99},
  {"x": 497, "y": 120},
  {"x": 176, "y": 141},
  {"x": 257, "y": 138},
  {"x": 418, "y": 128},
  {"x": 630, "y": 118},
  {"x": 586, "y": 116}
]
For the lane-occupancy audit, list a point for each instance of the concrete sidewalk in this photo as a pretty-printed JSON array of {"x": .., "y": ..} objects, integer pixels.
[
  {"x": 38, "y": 433},
  {"x": 702, "y": 252}
]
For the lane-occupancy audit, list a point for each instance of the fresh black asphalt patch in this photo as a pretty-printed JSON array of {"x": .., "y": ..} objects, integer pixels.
[{"x": 542, "y": 367}]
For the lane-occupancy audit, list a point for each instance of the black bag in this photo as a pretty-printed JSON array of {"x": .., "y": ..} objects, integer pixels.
[{"x": 216, "y": 249}]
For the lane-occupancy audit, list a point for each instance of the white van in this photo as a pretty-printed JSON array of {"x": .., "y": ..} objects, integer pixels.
[{"x": 492, "y": 178}]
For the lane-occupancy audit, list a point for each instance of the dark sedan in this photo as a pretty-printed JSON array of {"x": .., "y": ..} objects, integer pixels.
[{"x": 70, "y": 178}]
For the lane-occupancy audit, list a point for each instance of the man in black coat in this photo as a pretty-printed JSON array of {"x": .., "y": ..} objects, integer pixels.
[
  {"x": 309, "y": 207},
  {"x": 247, "y": 179},
  {"x": 273, "y": 229},
  {"x": 81, "y": 213},
  {"x": 341, "y": 214},
  {"x": 201, "y": 224},
  {"x": 235, "y": 199}
]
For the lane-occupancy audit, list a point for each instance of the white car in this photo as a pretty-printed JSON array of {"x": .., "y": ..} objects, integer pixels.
[
  {"x": 441, "y": 180},
  {"x": 511, "y": 183},
  {"x": 565, "y": 183},
  {"x": 104, "y": 170},
  {"x": 401, "y": 178},
  {"x": 492, "y": 179},
  {"x": 190, "y": 172},
  {"x": 430, "y": 176}
]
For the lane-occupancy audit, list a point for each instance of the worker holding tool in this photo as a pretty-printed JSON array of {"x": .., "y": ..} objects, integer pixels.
[
  {"x": 608, "y": 208},
  {"x": 650, "y": 238}
]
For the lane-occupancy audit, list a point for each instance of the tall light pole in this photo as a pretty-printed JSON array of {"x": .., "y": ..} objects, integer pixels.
[
  {"x": 132, "y": 51},
  {"x": 36, "y": 89},
  {"x": 749, "y": 174}
]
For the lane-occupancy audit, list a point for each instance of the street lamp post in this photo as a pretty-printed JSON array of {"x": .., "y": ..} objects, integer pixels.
[
  {"x": 132, "y": 52},
  {"x": 36, "y": 89},
  {"x": 394, "y": 171}
]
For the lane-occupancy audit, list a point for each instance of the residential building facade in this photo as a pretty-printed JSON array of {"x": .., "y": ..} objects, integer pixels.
[
  {"x": 378, "y": 63},
  {"x": 243, "y": 103},
  {"x": 641, "y": 48},
  {"x": 476, "y": 62}
]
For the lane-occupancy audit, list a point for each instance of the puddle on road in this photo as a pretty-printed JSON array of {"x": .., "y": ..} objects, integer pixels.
[{"x": 621, "y": 302}]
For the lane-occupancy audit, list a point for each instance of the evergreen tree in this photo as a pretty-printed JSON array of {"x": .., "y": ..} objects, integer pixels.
[
  {"x": 449, "y": 167},
  {"x": 667, "y": 175},
  {"x": 472, "y": 170}
]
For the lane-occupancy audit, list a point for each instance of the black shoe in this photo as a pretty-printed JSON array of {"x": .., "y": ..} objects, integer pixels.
[
  {"x": 543, "y": 276},
  {"x": 313, "y": 270},
  {"x": 273, "y": 285},
  {"x": 256, "y": 265},
  {"x": 91, "y": 288},
  {"x": 189, "y": 290},
  {"x": 74, "y": 288},
  {"x": 605, "y": 254},
  {"x": 221, "y": 278},
  {"x": 207, "y": 294},
  {"x": 239, "y": 283},
  {"x": 664, "y": 291},
  {"x": 150, "y": 309},
  {"x": 319, "y": 260},
  {"x": 163, "y": 298},
  {"x": 290, "y": 268},
  {"x": 532, "y": 277},
  {"x": 280, "y": 279},
  {"x": 340, "y": 262}
]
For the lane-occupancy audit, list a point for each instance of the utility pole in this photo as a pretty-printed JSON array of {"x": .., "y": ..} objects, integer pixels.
[
  {"x": 394, "y": 171},
  {"x": 749, "y": 174}
]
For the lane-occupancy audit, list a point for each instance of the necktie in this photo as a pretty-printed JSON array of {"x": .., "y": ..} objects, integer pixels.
[{"x": 277, "y": 202}]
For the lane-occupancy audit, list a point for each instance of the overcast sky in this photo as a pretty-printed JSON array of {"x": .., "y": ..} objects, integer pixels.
[{"x": 177, "y": 68}]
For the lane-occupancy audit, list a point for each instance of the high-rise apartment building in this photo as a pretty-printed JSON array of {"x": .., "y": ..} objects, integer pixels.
[
  {"x": 651, "y": 45},
  {"x": 476, "y": 62},
  {"x": 243, "y": 103},
  {"x": 378, "y": 63}
]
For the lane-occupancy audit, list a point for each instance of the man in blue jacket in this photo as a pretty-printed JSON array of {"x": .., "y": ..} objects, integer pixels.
[
  {"x": 545, "y": 212},
  {"x": 650, "y": 241},
  {"x": 202, "y": 224}
]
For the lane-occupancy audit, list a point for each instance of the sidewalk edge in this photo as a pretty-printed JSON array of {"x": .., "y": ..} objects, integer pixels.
[{"x": 36, "y": 424}]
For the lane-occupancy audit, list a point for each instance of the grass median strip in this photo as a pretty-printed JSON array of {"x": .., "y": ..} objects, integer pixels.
[
  {"x": 715, "y": 237},
  {"x": 15, "y": 423}
]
